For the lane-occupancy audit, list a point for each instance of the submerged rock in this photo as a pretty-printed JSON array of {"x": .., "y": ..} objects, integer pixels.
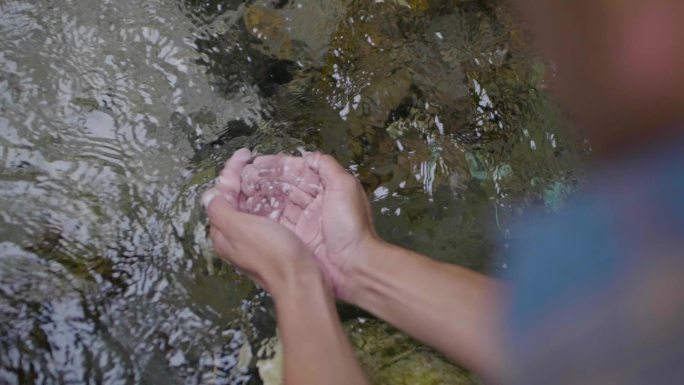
[
  {"x": 299, "y": 31},
  {"x": 365, "y": 53},
  {"x": 388, "y": 356},
  {"x": 270, "y": 362},
  {"x": 392, "y": 358}
]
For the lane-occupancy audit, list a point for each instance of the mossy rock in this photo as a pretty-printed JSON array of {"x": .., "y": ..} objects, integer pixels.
[
  {"x": 392, "y": 358},
  {"x": 388, "y": 356}
]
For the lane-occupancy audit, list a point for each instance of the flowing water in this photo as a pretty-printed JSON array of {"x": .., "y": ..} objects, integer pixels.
[{"x": 116, "y": 114}]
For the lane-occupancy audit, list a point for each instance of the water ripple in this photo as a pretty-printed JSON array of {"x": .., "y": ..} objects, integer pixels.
[{"x": 116, "y": 114}]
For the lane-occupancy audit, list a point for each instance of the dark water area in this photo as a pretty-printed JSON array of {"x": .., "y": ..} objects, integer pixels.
[{"x": 116, "y": 115}]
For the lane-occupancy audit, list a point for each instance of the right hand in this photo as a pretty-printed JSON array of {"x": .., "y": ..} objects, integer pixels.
[
  {"x": 331, "y": 211},
  {"x": 346, "y": 219}
]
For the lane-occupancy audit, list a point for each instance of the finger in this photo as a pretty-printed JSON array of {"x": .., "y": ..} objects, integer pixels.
[
  {"x": 309, "y": 182},
  {"x": 277, "y": 205},
  {"x": 299, "y": 197},
  {"x": 255, "y": 178},
  {"x": 208, "y": 197},
  {"x": 279, "y": 162},
  {"x": 238, "y": 160},
  {"x": 284, "y": 169},
  {"x": 297, "y": 173},
  {"x": 292, "y": 167},
  {"x": 228, "y": 182},
  {"x": 266, "y": 189},
  {"x": 222, "y": 247},
  {"x": 260, "y": 205},
  {"x": 331, "y": 173},
  {"x": 249, "y": 179},
  {"x": 213, "y": 193},
  {"x": 227, "y": 219},
  {"x": 292, "y": 212},
  {"x": 317, "y": 241},
  {"x": 265, "y": 161},
  {"x": 280, "y": 171},
  {"x": 312, "y": 159},
  {"x": 246, "y": 203},
  {"x": 288, "y": 224},
  {"x": 308, "y": 224},
  {"x": 268, "y": 166}
]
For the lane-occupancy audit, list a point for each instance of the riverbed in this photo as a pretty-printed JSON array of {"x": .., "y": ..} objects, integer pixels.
[{"x": 116, "y": 115}]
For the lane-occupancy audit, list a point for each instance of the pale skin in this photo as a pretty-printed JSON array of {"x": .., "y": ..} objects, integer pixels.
[{"x": 329, "y": 249}]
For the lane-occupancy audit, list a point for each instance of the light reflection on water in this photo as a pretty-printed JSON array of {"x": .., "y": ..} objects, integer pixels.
[
  {"x": 114, "y": 116},
  {"x": 102, "y": 278}
]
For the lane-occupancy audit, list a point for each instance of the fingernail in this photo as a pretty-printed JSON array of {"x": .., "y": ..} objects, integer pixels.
[
  {"x": 244, "y": 152},
  {"x": 209, "y": 196},
  {"x": 221, "y": 180}
]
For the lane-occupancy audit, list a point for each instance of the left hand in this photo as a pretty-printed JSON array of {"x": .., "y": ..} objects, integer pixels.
[{"x": 270, "y": 254}]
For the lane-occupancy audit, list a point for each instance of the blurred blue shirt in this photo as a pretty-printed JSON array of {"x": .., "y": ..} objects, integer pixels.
[{"x": 598, "y": 289}]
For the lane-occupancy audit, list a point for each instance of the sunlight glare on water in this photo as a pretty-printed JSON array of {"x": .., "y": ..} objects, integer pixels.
[{"x": 102, "y": 276}]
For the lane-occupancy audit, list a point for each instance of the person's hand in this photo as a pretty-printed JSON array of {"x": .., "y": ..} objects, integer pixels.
[
  {"x": 346, "y": 220},
  {"x": 320, "y": 201},
  {"x": 267, "y": 252}
]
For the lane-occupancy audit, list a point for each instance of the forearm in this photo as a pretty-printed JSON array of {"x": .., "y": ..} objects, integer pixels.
[
  {"x": 316, "y": 349},
  {"x": 447, "y": 307}
]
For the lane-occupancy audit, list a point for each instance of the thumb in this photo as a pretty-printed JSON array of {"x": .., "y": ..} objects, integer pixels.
[
  {"x": 228, "y": 181},
  {"x": 224, "y": 216},
  {"x": 331, "y": 172}
]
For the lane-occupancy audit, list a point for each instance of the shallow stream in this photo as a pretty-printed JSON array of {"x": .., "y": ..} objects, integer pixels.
[{"x": 116, "y": 114}]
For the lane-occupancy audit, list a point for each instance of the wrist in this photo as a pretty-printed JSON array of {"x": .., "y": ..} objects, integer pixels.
[
  {"x": 302, "y": 282},
  {"x": 363, "y": 268}
]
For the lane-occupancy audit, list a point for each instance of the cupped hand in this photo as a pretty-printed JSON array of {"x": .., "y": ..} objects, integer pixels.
[
  {"x": 269, "y": 253},
  {"x": 316, "y": 198}
]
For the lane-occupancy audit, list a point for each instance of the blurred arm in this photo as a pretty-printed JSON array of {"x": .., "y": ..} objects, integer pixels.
[{"x": 447, "y": 307}]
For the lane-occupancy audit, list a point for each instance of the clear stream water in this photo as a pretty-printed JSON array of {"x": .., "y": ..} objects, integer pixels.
[{"x": 116, "y": 114}]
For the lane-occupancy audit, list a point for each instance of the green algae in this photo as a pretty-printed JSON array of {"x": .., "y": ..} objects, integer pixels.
[
  {"x": 388, "y": 356},
  {"x": 392, "y": 358}
]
